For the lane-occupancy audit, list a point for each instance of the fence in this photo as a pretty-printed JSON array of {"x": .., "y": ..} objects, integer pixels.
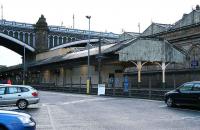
[{"x": 148, "y": 93}]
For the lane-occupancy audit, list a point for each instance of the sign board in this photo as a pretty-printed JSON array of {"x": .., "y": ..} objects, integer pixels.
[
  {"x": 194, "y": 63},
  {"x": 101, "y": 89},
  {"x": 126, "y": 84}
]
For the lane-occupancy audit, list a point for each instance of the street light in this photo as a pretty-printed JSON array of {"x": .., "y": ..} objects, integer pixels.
[
  {"x": 24, "y": 65},
  {"x": 88, "y": 47}
]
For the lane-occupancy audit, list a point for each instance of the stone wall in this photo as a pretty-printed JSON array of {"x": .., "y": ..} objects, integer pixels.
[{"x": 63, "y": 76}]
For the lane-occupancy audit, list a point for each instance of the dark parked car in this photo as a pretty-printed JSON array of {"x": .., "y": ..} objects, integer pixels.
[{"x": 186, "y": 94}]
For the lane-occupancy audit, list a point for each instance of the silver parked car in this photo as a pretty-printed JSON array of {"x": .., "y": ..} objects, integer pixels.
[{"x": 19, "y": 95}]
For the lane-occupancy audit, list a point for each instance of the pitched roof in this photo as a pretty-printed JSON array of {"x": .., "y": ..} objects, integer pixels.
[
  {"x": 188, "y": 19},
  {"x": 155, "y": 28},
  {"x": 73, "y": 55}
]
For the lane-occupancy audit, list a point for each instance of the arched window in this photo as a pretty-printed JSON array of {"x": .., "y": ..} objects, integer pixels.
[
  {"x": 26, "y": 38},
  {"x": 69, "y": 39},
  {"x": 16, "y": 35},
  {"x": 60, "y": 40},
  {"x": 194, "y": 55},
  {"x": 51, "y": 42},
  {"x": 55, "y": 41},
  {"x": 31, "y": 39},
  {"x": 21, "y": 36},
  {"x": 64, "y": 40},
  {"x": 11, "y": 33},
  {"x": 73, "y": 39},
  {"x": 6, "y": 32}
]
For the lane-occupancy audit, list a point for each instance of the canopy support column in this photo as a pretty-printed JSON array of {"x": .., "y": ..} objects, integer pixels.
[
  {"x": 139, "y": 68},
  {"x": 139, "y": 65},
  {"x": 163, "y": 72},
  {"x": 163, "y": 67}
]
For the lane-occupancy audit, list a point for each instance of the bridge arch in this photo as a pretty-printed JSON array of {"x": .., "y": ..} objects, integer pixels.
[{"x": 15, "y": 44}]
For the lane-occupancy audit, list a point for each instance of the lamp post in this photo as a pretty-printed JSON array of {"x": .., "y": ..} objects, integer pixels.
[
  {"x": 88, "y": 47},
  {"x": 24, "y": 65}
]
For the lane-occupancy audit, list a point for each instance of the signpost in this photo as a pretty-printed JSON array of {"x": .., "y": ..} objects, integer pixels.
[
  {"x": 101, "y": 89},
  {"x": 194, "y": 63},
  {"x": 126, "y": 84}
]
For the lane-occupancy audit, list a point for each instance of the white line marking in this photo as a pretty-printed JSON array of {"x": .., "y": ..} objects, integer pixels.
[
  {"x": 161, "y": 106},
  {"x": 149, "y": 100},
  {"x": 190, "y": 117},
  {"x": 82, "y": 101},
  {"x": 67, "y": 94},
  {"x": 185, "y": 109},
  {"x": 74, "y": 102},
  {"x": 50, "y": 118}
]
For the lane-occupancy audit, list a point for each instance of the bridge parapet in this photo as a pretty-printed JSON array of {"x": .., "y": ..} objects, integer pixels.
[
  {"x": 16, "y": 24},
  {"x": 83, "y": 32},
  {"x": 57, "y": 35},
  {"x": 60, "y": 29}
]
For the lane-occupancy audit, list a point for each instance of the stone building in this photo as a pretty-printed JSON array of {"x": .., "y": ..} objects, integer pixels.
[{"x": 66, "y": 65}]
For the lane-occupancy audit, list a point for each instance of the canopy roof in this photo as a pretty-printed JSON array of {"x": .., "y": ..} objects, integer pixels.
[{"x": 152, "y": 50}]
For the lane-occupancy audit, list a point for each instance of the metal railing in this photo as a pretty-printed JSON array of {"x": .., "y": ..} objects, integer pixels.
[
  {"x": 16, "y": 24},
  {"x": 83, "y": 32},
  {"x": 147, "y": 93},
  {"x": 60, "y": 29}
]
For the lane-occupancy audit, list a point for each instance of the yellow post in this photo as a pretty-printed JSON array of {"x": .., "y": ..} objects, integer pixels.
[
  {"x": 88, "y": 86},
  {"x": 139, "y": 76}
]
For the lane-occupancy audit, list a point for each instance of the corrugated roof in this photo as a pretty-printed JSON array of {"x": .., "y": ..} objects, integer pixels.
[
  {"x": 118, "y": 46},
  {"x": 74, "y": 43},
  {"x": 74, "y": 55}
]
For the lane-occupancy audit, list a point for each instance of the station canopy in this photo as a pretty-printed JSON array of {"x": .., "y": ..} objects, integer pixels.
[{"x": 150, "y": 50}]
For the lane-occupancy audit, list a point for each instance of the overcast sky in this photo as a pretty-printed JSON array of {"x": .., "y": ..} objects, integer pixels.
[{"x": 106, "y": 15}]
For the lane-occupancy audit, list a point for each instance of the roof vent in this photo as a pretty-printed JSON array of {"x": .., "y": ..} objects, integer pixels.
[{"x": 197, "y": 7}]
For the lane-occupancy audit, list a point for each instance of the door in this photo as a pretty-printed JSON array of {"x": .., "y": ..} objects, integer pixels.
[
  {"x": 11, "y": 95},
  {"x": 184, "y": 94},
  {"x": 2, "y": 95},
  {"x": 196, "y": 94}
]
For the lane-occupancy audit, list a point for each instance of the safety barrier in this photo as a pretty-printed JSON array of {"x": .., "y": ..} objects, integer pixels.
[{"x": 147, "y": 93}]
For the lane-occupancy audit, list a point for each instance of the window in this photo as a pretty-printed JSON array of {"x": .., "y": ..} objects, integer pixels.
[
  {"x": 12, "y": 90},
  {"x": 19, "y": 90},
  {"x": 196, "y": 87},
  {"x": 24, "y": 89},
  {"x": 2, "y": 91},
  {"x": 186, "y": 87}
]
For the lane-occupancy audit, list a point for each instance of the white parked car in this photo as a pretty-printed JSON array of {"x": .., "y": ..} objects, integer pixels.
[{"x": 19, "y": 95}]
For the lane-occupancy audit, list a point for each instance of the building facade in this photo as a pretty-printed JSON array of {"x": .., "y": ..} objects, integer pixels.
[{"x": 67, "y": 65}]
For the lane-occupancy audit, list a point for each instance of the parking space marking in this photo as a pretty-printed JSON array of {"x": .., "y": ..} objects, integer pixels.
[
  {"x": 67, "y": 94},
  {"x": 82, "y": 101},
  {"x": 50, "y": 118},
  {"x": 149, "y": 100},
  {"x": 190, "y": 117},
  {"x": 77, "y": 101},
  {"x": 185, "y": 109},
  {"x": 162, "y": 106}
]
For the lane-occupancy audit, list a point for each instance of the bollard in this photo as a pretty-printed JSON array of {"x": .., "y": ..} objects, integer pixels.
[{"x": 88, "y": 86}]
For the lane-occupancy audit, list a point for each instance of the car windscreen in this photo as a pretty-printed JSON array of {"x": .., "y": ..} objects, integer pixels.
[{"x": 186, "y": 87}]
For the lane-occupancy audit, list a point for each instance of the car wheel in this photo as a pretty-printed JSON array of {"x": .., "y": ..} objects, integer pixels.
[
  {"x": 22, "y": 104},
  {"x": 170, "y": 102}
]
